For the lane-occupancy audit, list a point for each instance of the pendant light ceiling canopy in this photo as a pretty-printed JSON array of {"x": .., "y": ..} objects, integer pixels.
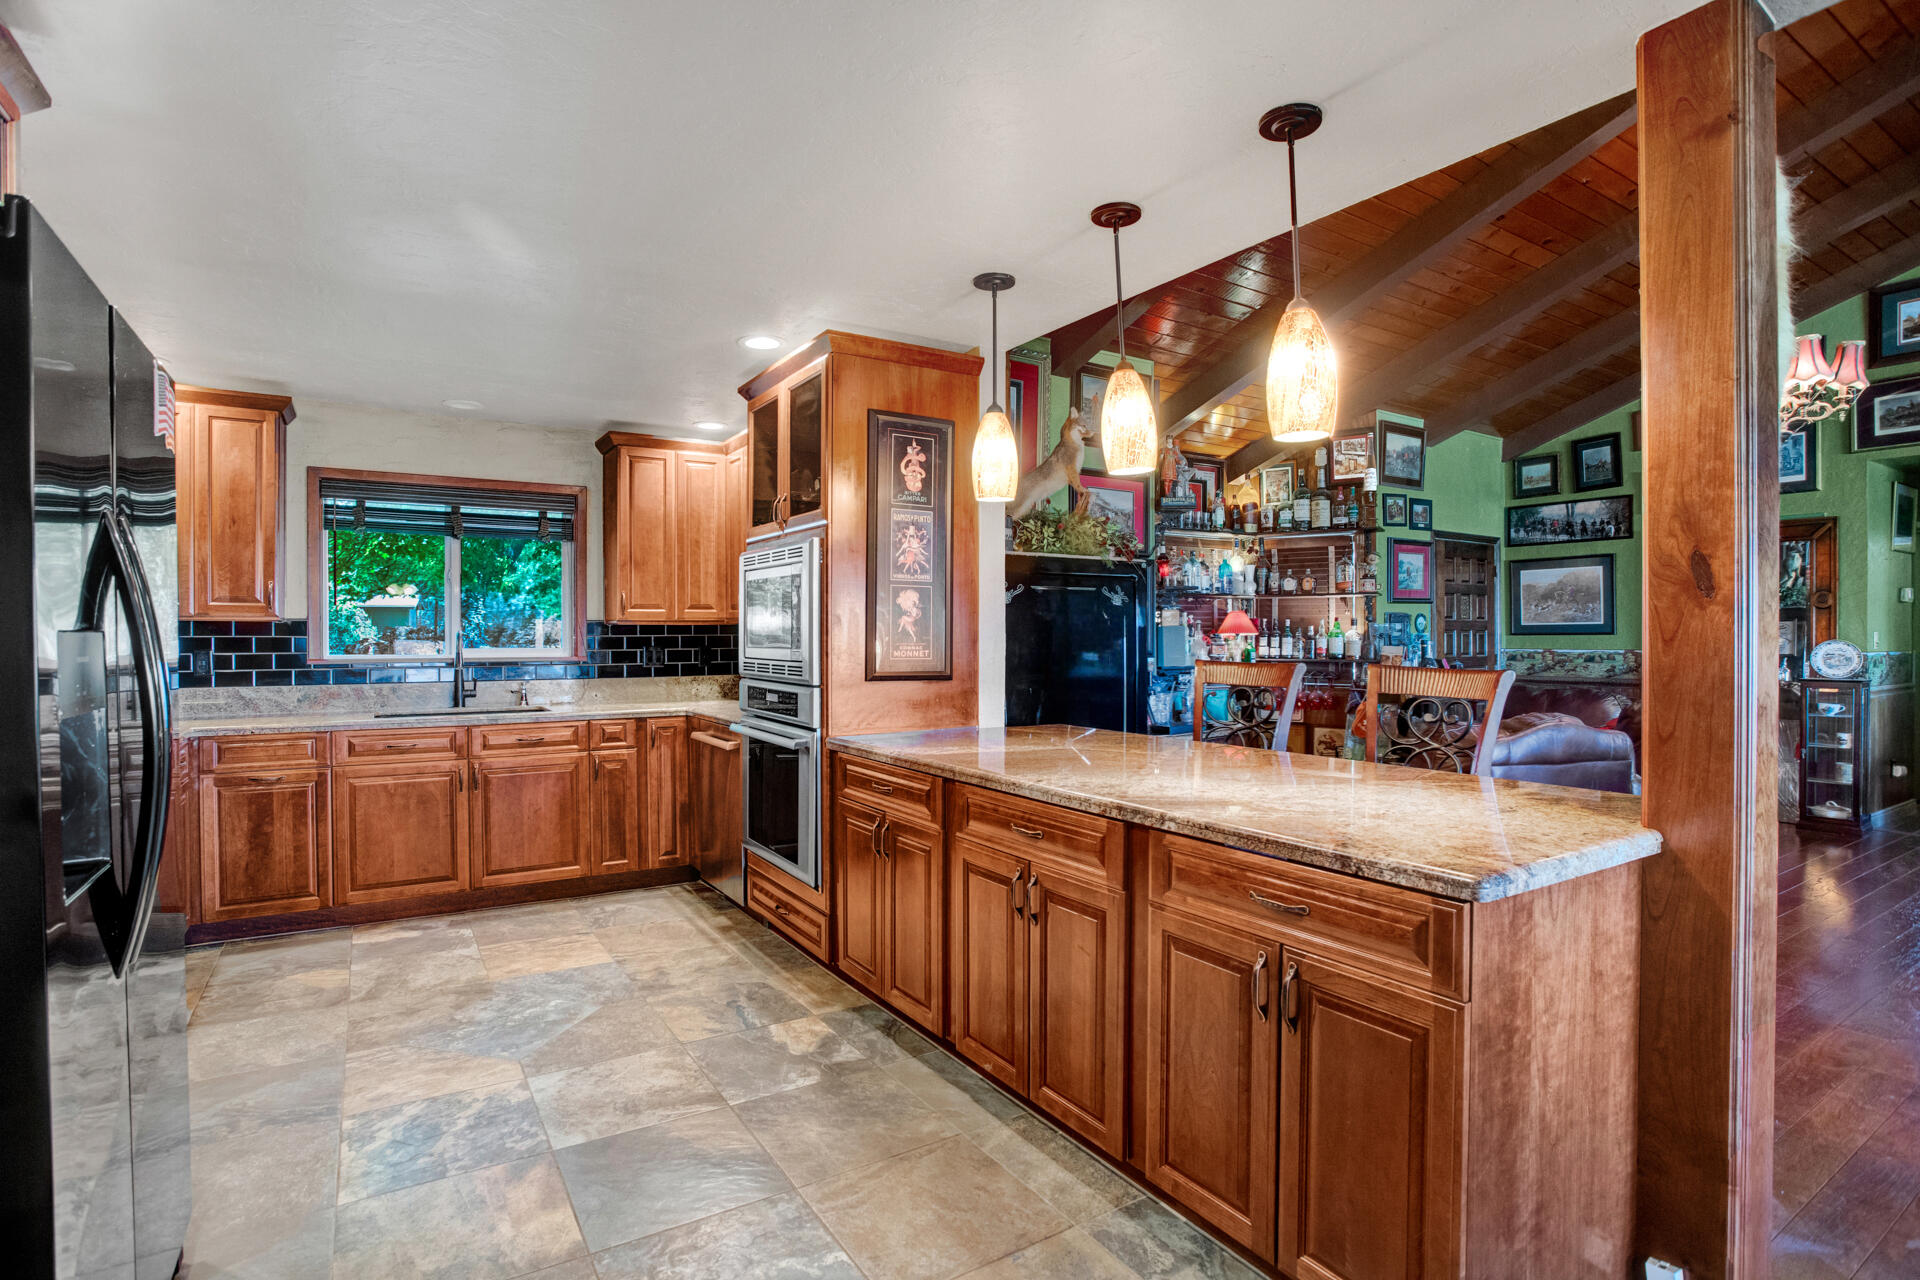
[
  {"x": 996, "y": 454},
  {"x": 1129, "y": 433},
  {"x": 1303, "y": 392}
]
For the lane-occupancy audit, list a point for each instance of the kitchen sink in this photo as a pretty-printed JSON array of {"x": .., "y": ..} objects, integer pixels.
[{"x": 460, "y": 711}]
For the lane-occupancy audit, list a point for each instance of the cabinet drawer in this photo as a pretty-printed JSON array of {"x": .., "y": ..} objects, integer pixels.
[
  {"x": 263, "y": 751},
  {"x": 1407, "y": 935},
  {"x": 370, "y": 746},
  {"x": 803, "y": 925},
  {"x": 612, "y": 733},
  {"x": 897, "y": 791},
  {"x": 1074, "y": 842},
  {"x": 511, "y": 739}
]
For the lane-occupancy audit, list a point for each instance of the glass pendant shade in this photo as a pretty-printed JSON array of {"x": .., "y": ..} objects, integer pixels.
[
  {"x": 1303, "y": 390},
  {"x": 1129, "y": 436},
  {"x": 996, "y": 458}
]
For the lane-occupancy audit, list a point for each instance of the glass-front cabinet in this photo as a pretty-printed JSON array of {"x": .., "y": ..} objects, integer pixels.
[
  {"x": 789, "y": 432},
  {"x": 1834, "y": 762}
]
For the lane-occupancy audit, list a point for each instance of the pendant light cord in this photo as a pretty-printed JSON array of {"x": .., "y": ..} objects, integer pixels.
[
  {"x": 1119, "y": 304},
  {"x": 1293, "y": 216},
  {"x": 995, "y": 349}
]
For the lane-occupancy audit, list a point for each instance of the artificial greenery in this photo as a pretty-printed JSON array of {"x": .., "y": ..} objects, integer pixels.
[{"x": 1076, "y": 532}]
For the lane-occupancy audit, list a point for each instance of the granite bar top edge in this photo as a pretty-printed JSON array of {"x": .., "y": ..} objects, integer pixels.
[
  {"x": 323, "y": 722},
  {"x": 1404, "y": 873}
]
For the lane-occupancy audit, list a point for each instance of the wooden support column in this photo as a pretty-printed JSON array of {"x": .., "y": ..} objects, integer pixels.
[{"x": 1709, "y": 362}]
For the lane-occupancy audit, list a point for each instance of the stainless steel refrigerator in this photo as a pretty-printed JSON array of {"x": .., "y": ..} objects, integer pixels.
[{"x": 93, "y": 1118}]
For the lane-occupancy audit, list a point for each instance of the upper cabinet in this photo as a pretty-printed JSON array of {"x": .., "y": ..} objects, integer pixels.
[
  {"x": 232, "y": 461},
  {"x": 788, "y": 428},
  {"x": 672, "y": 527}
]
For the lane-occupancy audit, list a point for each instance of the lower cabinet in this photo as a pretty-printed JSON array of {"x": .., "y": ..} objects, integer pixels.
[
  {"x": 265, "y": 844},
  {"x": 399, "y": 831},
  {"x": 666, "y": 791},
  {"x": 614, "y": 779},
  {"x": 530, "y": 818},
  {"x": 890, "y": 908},
  {"x": 713, "y": 813}
]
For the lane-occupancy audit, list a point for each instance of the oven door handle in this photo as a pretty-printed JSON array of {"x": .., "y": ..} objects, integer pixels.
[{"x": 802, "y": 743}]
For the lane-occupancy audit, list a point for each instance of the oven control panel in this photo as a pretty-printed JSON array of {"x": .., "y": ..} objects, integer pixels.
[{"x": 794, "y": 704}]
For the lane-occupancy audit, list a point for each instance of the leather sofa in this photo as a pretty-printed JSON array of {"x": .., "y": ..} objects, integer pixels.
[{"x": 1561, "y": 749}]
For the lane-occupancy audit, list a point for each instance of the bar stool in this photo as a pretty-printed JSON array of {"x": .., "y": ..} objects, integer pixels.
[
  {"x": 1426, "y": 717},
  {"x": 1259, "y": 702}
]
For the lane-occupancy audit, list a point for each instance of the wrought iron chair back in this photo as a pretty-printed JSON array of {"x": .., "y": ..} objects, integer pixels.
[
  {"x": 1259, "y": 698},
  {"x": 1426, "y": 717}
]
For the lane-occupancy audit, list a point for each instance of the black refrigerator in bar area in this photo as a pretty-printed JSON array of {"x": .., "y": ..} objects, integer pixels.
[
  {"x": 1078, "y": 642},
  {"x": 93, "y": 1115}
]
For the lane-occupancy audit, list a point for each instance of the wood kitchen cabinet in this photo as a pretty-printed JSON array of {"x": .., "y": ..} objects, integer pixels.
[
  {"x": 615, "y": 781},
  {"x": 713, "y": 810},
  {"x": 231, "y": 461},
  {"x": 988, "y": 961},
  {"x": 889, "y": 877},
  {"x": 399, "y": 831},
  {"x": 666, "y": 792},
  {"x": 787, "y": 426},
  {"x": 530, "y": 818},
  {"x": 672, "y": 526},
  {"x": 265, "y": 842},
  {"x": 860, "y": 891}
]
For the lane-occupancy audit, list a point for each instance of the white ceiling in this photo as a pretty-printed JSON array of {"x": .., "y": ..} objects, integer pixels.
[{"x": 570, "y": 211}]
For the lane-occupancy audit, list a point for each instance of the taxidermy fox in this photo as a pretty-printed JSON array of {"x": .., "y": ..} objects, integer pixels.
[{"x": 1060, "y": 468}]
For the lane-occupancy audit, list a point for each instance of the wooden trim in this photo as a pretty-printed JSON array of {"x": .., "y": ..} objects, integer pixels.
[
  {"x": 1071, "y": 346},
  {"x": 632, "y": 439},
  {"x": 282, "y": 405},
  {"x": 1533, "y": 160},
  {"x": 1876, "y": 88},
  {"x": 1604, "y": 340},
  {"x": 1870, "y": 198},
  {"x": 1711, "y": 538},
  {"x": 21, "y": 90},
  {"x": 316, "y": 596},
  {"x": 837, "y": 342},
  {"x": 1576, "y": 415}
]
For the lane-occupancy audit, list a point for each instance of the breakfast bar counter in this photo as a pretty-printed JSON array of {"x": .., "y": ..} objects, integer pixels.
[{"x": 1465, "y": 838}]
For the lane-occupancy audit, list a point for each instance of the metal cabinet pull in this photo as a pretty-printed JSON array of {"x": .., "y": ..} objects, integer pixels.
[
  {"x": 1290, "y": 996},
  {"x": 883, "y": 788},
  {"x": 1287, "y": 907},
  {"x": 1260, "y": 986},
  {"x": 1031, "y": 833},
  {"x": 396, "y": 746},
  {"x": 780, "y": 909},
  {"x": 1013, "y": 895},
  {"x": 460, "y": 779},
  {"x": 881, "y": 829},
  {"x": 1033, "y": 886},
  {"x": 277, "y": 777},
  {"x": 593, "y": 770}
]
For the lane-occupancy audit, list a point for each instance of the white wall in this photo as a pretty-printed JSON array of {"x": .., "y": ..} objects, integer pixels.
[
  {"x": 329, "y": 434},
  {"x": 993, "y": 583}
]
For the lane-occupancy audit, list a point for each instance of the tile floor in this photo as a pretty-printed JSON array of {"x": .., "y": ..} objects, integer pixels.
[{"x": 641, "y": 1084}]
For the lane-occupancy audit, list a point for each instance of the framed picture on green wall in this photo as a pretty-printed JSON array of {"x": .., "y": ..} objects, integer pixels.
[
  {"x": 1800, "y": 459},
  {"x": 1419, "y": 513},
  {"x": 1393, "y": 510},
  {"x": 1893, "y": 323},
  {"x": 1887, "y": 414},
  {"x": 1537, "y": 476},
  {"x": 1562, "y": 596},
  {"x": 1596, "y": 463}
]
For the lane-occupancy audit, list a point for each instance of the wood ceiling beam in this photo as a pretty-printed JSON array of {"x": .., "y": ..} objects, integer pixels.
[
  {"x": 1860, "y": 277},
  {"x": 1860, "y": 204},
  {"x": 1601, "y": 342},
  {"x": 1529, "y": 164},
  {"x": 1572, "y": 418},
  {"x": 1851, "y": 103},
  {"x": 1074, "y": 344}
]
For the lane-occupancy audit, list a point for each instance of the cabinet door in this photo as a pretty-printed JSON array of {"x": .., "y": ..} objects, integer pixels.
[
  {"x": 1369, "y": 1120},
  {"x": 644, "y": 546},
  {"x": 664, "y": 819},
  {"x": 988, "y": 961},
  {"x": 529, "y": 819},
  {"x": 764, "y": 487},
  {"x": 1077, "y": 965},
  {"x": 176, "y": 893},
  {"x": 265, "y": 843},
  {"x": 735, "y": 529},
  {"x": 700, "y": 563},
  {"x": 615, "y": 783},
  {"x": 916, "y": 942},
  {"x": 860, "y": 889},
  {"x": 713, "y": 819},
  {"x": 1211, "y": 1063},
  {"x": 230, "y": 462},
  {"x": 399, "y": 831},
  {"x": 805, "y": 447}
]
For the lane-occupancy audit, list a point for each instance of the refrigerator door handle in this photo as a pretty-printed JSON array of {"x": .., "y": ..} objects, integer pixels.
[{"x": 114, "y": 555}]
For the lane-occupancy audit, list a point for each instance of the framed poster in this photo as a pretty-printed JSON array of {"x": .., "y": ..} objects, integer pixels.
[
  {"x": 1800, "y": 459},
  {"x": 1419, "y": 513},
  {"x": 1212, "y": 477},
  {"x": 1596, "y": 463},
  {"x": 1542, "y": 524},
  {"x": 1409, "y": 572},
  {"x": 1564, "y": 596},
  {"x": 1537, "y": 476},
  {"x": 1276, "y": 485},
  {"x": 1027, "y": 380},
  {"x": 1403, "y": 453},
  {"x": 1352, "y": 455},
  {"x": 909, "y": 551},
  {"x": 1393, "y": 510},
  {"x": 1887, "y": 414},
  {"x": 1120, "y": 500},
  {"x": 1893, "y": 323}
]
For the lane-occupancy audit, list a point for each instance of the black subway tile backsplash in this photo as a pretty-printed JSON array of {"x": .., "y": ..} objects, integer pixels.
[{"x": 275, "y": 653}]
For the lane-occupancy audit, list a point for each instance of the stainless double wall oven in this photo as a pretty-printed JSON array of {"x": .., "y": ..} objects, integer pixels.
[{"x": 780, "y": 705}]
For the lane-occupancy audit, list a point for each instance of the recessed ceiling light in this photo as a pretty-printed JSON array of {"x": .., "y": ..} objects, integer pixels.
[
  {"x": 463, "y": 405},
  {"x": 760, "y": 342},
  {"x": 711, "y": 426}
]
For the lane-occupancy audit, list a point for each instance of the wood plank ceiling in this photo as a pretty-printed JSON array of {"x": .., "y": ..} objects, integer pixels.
[{"x": 1501, "y": 293}]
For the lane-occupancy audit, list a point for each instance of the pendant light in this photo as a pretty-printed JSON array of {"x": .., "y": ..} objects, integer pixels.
[
  {"x": 1129, "y": 436},
  {"x": 1303, "y": 392},
  {"x": 996, "y": 454}
]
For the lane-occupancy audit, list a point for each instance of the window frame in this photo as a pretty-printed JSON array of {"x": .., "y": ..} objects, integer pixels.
[{"x": 573, "y": 587}]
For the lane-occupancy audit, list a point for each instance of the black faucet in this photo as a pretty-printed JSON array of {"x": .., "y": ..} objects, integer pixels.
[{"x": 464, "y": 687}]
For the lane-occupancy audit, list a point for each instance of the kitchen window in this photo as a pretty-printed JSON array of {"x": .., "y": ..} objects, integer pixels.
[{"x": 406, "y": 564}]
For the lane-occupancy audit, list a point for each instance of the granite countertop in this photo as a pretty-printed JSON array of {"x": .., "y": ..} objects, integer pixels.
[
  {"x": 1465, "y": 838},
  {"x": 320, "y": 721}
]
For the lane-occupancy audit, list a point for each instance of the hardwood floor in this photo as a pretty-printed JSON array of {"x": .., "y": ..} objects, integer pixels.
[{"x": 1847, "y": 1089}]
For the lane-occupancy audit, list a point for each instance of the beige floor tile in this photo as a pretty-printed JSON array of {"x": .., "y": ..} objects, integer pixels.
[
  {"x": 299, "y": 1248},
  {"x": 619, "y": 1094},
  {"x": 491, "y": 1224},
  {"x": 428, "y": 935},
  {"x": 543, "y": 955},
  {"x": 1071, "y": 1255},
  {"x": 281, "y": 956},
  {"x": 525, "y": 924},
  {"x": 393, "y": 1074},
  {"x": 237, "y": 1106},
  {"x": 1158, "y": 1244},
  {"x": 415, "y": 1142},
  {"x": 273, "y": 1040},
  {"x": 611, "y": 1031},
  {"x": 237, "y": 999},
  {"x": 380, "y": 971},
  {"x": 674, "y": 934},
  {"x": 578, "y": 1269},
  {"x": 842, "y": 1123},
  {"x": 636, "y": 907},
  {"x": 779, "y": 1238},
  {"x": 931, "y": 1214},
  {"x": 956, "y": 1091},
  {"x": 786, "y": 1055},
  {"x": 716, "y": 1007},
  {"x": 254, "y": 1193},
  {"x": 878, "y": 1034},
  {"x": 1071, "y": 1179}
]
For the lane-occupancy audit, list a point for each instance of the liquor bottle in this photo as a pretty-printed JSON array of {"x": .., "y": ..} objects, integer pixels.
[
  {"x": 1283, "y": 643},
  {"x": 1259, "y": 574},
  {"x": 1353, "y": 508},
  {"x": 1343, "y": 574},
  {"x": 1266, "y": 519},
  {"x": 1320, "y": 644},
  {"x": 1283, "y": 518},
  {"x": 1321, "y": 510},
  {"x": 1336, "y": 643},
  {"x": 1219, "y": 512},
  {"x": 1223, "y": 576},
  {"x": 1308, "y": 583},
  {"x": 1302, "y": 510},
  {"x": 1288, "y": 584},
  {"x": 1353, "y": 639}
]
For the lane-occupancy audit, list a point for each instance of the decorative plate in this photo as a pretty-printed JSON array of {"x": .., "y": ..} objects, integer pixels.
[{"x": 1836, "y": 660}]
